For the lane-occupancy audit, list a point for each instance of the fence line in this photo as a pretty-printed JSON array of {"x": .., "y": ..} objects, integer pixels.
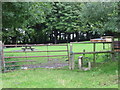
[
  {"x": 112, "y": 51},
  {"x": 70, "y": 53}
]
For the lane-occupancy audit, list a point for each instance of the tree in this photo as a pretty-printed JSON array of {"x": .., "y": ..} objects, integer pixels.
[
  {"x": 99, "y": 16},
  {"x": 35, "y": 22},
  {"x": 21, "y": 15},
  {"x": 63, "y": 17}
]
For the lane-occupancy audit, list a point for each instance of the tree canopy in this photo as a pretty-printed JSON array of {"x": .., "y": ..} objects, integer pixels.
[
  {"x": 19, "y": 14},
  {"x": 35, "y": 21},
  {"x": 100, "y": 17}
]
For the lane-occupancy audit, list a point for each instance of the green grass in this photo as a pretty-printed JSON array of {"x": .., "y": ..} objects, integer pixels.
[{"x": 101, "y": 76}]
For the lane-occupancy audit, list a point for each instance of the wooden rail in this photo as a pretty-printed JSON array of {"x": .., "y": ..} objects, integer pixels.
[
  {"x": 95, "y": 52},
  {"x": 88, "y": 42}
]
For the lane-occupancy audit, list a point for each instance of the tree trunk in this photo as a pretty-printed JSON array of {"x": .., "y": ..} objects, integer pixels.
[
  {"x": 77, "y": 36},
  {"x": 55, "y": 36},
  {"x": 69, "y": 37},
  {"x": 14, "y": 39},
  {"x": 64, "y": 36}
]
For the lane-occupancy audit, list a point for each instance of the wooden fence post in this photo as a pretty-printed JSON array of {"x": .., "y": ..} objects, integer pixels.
[
  {"x": 2, "y": 56},
  {"x": 84, "y": 54},
  {"x": 68, "y": 55},
  {"x": 103, "y": 45},
  {"x": 71, "y": 63},
  {"x": 94, "y": 49},
  {"x": 112, "y": 49}
]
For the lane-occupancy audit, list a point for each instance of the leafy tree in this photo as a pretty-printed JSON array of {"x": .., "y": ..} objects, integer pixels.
[
  {"x": 21, "y": 15},
  {"x": 34, "y": 22},
  {"x": 99, "y": 16},
  {"x": 64, "y": 17}
]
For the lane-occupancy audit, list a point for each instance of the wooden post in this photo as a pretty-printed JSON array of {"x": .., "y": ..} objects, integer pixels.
[
  {"x": 68, "y": 56},
  {"x": 112, "y": 49},
  {"x": 94, "y": 49},
  {"x": 103, "y": 45},
  {"x": 84, "y": 54},
  {"x": 71, "y": 63},
  {"x": 2, "y": 57}
]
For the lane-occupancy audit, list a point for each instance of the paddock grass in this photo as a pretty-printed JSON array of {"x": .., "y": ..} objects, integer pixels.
[{"x": 101, "y": 76}]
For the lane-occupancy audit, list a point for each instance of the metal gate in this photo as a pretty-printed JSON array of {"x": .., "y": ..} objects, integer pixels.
[{"x": 29, "y": 56}]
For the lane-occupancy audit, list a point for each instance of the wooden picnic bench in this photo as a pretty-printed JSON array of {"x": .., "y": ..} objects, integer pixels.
[{"x": 28, "y": 47}]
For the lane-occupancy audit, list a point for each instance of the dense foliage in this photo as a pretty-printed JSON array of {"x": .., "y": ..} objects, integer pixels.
[
  {"x": 100, "y": 17},
  {"x": 39, "y": 22},
  {"x": 17, "y": 16}
]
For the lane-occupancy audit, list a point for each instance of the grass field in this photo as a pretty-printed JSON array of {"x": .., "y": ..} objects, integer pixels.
[{"x": 101, "y": 76}]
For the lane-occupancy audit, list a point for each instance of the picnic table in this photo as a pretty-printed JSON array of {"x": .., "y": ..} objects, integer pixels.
[{"x": 27, "y": 47}]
